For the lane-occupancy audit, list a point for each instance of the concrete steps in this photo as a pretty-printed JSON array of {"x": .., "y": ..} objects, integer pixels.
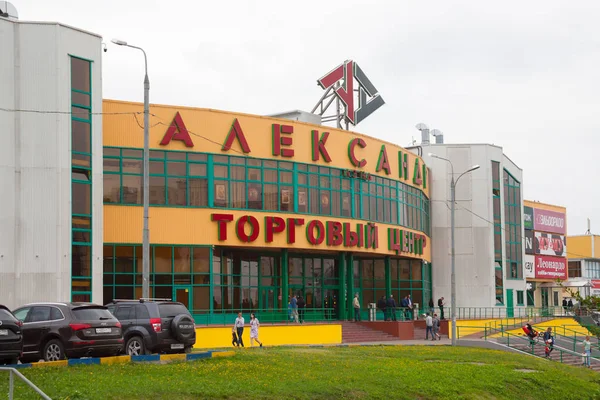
[{"x": 355, "y": 333}]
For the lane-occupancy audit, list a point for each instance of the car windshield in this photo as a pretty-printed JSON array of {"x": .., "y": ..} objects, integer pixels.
[
  {"x": 92, "y": 313},
  {"x": 170, "y": 310},
  {"x": 6, "y": 316}
]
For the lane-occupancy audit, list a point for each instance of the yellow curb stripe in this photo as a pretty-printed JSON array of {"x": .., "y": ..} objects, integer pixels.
[
  {"x": 172, "y": 357},
  {"x": 223, "y": 354},
  {"x": 115, "y": 360},
  {"x": 61, "y": 363}
]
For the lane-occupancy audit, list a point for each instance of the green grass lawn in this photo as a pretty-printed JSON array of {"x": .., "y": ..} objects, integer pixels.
[{"x": 385, "y": 372}]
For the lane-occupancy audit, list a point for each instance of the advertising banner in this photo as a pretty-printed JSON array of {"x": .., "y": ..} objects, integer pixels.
[
  {"x": 529, "y": 266},
  {"x": 549, "y": 221},
  {"x": 529, "y": 242},
  {"x": 550, "y": 267},
  {"x": 547, "y": 244},
  {"x": 528, "y": 217}
]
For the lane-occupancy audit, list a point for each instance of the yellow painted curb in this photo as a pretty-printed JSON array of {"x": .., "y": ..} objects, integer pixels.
[
  {"x": 61, "y": 363},
  {"x": 115, "y": 360},
  {"x": 223, "y": 354},
  {"x": 172, "y": 357}
]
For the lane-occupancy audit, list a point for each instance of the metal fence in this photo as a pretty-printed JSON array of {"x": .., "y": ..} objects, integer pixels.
[{"x": 12, "y": 373}]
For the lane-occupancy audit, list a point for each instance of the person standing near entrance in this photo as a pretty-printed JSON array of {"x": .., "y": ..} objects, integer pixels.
[
  {"x": 381, "y": 304},
  {"x": 301, "y": 306},
  {"x": 356, "y": 305},
  {"x": 239, "y": 327},
  {"x": 441, "y": 305},
  {"x": 254, "y": 324},
  {"x": 294, "y": 304},
  {"x": 391, "y": 307}
]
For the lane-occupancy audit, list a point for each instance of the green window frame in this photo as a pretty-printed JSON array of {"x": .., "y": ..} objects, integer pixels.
[
  {"x": 512, "y": 227},
  {"x": 520, "y": 298},
  {"x": 81, "y": 179},
  {"x": 233, "y": 182}
]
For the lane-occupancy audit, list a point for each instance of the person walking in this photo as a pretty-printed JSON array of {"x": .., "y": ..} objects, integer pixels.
[
  {"x": 254, "y": 324},
  {"x": 391, "y": 308},
  {"x": 549, "y": 340},
  {"x": 441, "y": 304},
  {"x": 428, "y": 327},
  {"x": 356, "y": 306},
  {"x": 436, "y": 327},
  {"x": 381, "y": 304},
  {"x": 294, "y": 305},
  {"x": 587, "y": 349},
  {"x": 301, "y": 306},
  {"x": 239, "y": 327}
]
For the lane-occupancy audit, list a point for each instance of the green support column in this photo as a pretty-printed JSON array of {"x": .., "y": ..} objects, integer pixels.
[
  {"x": 350, "y": 286},
  {"x": 342, "y": 288},
  {"x": 388, "y": 278},
  {"x": 284, "y": 279},
  {"x": 211, "y": 290}
]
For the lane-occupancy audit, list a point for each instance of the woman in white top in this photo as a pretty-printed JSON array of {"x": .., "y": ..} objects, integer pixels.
[{"x": 254, "y": 324}]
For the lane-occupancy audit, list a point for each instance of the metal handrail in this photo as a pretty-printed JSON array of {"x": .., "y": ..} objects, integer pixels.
[{"x": 11, "y": 383}]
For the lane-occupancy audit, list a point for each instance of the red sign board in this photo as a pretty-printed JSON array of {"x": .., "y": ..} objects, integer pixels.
[
  {"x": 547, "y": 267},
  {"x": 549, "y": 221}
]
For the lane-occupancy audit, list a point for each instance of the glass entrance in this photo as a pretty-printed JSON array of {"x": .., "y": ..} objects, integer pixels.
[{"x": 183, "y": 294}]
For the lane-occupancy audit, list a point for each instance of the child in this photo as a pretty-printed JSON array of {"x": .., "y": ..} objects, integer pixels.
[{"x": 234, "y": 338}]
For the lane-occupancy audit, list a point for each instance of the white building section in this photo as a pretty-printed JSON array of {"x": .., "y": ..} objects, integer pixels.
[
  {"x": 481, "y": 281},
  {"x": 35, "y": 160}
]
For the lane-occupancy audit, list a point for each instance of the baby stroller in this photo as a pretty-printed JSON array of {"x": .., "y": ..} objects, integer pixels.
[{"x": 532, "y": 334}]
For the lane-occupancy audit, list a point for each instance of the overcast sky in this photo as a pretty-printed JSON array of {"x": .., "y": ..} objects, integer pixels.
[{"x": 524, "y": 75}]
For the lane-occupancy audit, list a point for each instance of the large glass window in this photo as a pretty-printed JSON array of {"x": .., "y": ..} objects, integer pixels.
[
  {"x": 209, "y": 180},
  {"x": 497, "y": 212},
  {"x": 81, "y": 181},
  {"x": 512, "y": 227}
]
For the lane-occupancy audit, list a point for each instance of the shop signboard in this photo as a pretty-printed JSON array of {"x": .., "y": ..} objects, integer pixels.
[
  {"x": 550, "y": 268},
  {"x": 549, "y": 221},
  {"x": 529, "y": 264},
  {"x": 548, "y": 244},
  {"x": 528, "y": 217},
  {"x": 529, "y": 242}
]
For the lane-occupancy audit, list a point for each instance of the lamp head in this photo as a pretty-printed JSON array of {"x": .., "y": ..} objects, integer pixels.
[{"x": 119, "y": 42}]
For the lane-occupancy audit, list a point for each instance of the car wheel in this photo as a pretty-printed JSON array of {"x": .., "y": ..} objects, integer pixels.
[
  {"x": 54, "y": 350},
  {"x": 135, "y": 346}
]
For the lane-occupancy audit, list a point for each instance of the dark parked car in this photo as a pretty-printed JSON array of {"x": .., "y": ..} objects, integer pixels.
[
  {"x": 53, "y": 331},
  {"x": 154, "y": 326},
  {"x": 11, "y": 338}
]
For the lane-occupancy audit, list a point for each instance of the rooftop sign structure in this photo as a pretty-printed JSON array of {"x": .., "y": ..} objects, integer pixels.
[{"x": 348, "y": 86}]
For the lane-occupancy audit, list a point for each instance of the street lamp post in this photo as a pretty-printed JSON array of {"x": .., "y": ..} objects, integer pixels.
[
  {"x": 146, "y": 191},
  {"x": 452, "y": 243}
]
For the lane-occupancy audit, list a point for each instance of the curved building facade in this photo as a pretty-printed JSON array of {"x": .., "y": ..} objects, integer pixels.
[{"x": 246, "y": 211}]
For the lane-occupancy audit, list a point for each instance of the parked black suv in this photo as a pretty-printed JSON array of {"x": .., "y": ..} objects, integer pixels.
[
  {"x": 154, "y": 326},
  {"x": 11, "y": 338},
  {"x": 54, "y": 330}
]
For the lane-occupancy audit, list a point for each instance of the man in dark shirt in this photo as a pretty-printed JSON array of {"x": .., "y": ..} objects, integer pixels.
[
  {"x": 381, "y": 305},
  {"x": 391, "y": 307}
]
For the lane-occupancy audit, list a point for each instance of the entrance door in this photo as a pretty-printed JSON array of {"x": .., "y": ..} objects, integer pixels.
[
  {"x": 183, "y": 294},
  {"x": 510, "y": 307}
]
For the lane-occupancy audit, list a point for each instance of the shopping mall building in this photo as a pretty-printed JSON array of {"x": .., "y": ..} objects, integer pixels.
[{"x": 245, "y": 210}]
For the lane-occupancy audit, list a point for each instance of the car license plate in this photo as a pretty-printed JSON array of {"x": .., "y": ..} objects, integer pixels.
[
  {"x": 103, "y": 330},
  {"x": 177, "y": 346},
  {"x": 3, "y": 332}
]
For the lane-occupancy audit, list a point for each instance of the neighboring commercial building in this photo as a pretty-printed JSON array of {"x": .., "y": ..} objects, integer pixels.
[
  {"x": 489, "y": 228},
  {"x": 584, "y": 264},
  {"x": 545, "y": 253},
  {"x": 50, "y": 163},
  {"x": 248, "y": 210}
]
